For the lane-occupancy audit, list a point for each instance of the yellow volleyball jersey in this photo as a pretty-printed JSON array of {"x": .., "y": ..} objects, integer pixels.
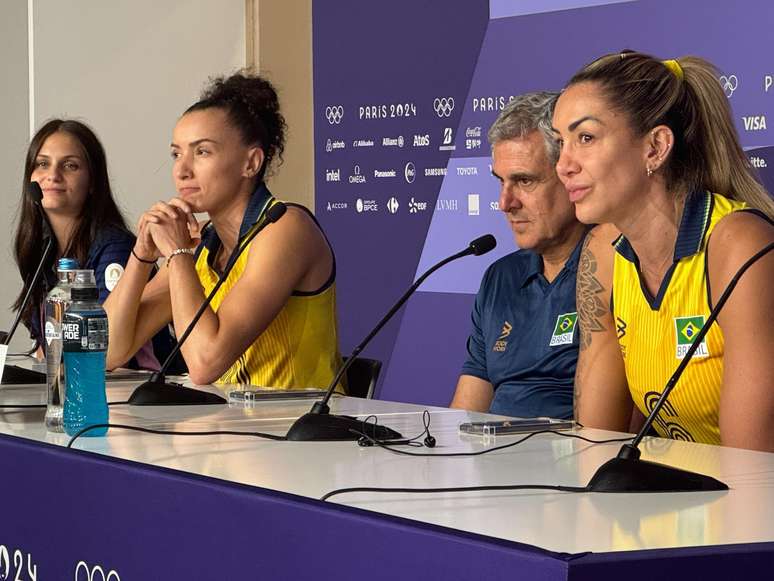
[
  {"x": 654, "y": 333},
  {"x": 299, "y": 348}
]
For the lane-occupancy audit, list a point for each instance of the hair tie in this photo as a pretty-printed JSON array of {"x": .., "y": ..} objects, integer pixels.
[{"x": 675, "y": 68}]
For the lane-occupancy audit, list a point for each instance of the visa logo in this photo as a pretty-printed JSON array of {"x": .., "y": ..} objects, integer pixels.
[{"x": 754, "y": 122}]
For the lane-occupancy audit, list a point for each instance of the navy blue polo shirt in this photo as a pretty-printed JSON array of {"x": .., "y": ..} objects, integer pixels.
[{"x": 525, "y": 338}]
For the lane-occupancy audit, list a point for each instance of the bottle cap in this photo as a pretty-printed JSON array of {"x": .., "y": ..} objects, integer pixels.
[{"x": 84, "y": 287}]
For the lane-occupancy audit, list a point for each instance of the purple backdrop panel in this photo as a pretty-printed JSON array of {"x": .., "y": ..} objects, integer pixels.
[
  {"x": 506, "y": 8},
  {"x": 541, "y": 51},
  {"x": 754, "y": 561},
  {"x": 425, "y": 370},
  {"x": 65, "y": 507},
  {"x": 387, "y": 77}
]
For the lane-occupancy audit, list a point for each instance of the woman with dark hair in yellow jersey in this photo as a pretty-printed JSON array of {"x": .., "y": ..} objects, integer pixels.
[
  {"x": 273, "y": 321},
  {"x": 648, "y": 147}
]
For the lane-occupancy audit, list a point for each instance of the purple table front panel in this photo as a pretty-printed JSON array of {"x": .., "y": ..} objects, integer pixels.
[
  {"x": 62, "y": 507},
  {"x": 134, "y": 521}
]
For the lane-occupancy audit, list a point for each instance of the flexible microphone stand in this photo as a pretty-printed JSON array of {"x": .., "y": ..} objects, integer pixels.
[
  {"x": 158, "y": 391},
  {"x": 13, "y": 374},
  {"x": 319, "y": 423},
  {"x": 626, "y": 472}
]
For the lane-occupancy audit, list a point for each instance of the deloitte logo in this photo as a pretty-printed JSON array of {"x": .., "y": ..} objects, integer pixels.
[
  {"x": 393, "y": 205},
  {"x": 410, "y": 172}
]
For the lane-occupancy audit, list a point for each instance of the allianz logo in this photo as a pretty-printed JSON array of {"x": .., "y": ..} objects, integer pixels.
[
  {"x": 754, "y": 122},
  {"x": 332, "y": 175},
  {"x": 392, "y": 141}
]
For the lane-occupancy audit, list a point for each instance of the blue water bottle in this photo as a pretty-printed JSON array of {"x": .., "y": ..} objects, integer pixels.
[{"x": 84, "y": 343}]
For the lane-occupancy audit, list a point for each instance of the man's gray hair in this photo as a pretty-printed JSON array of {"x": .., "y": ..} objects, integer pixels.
[{"x": 525, "y": 114}]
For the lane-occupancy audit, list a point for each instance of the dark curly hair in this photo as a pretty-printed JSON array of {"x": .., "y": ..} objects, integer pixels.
[{"x": 253, "y": 107}]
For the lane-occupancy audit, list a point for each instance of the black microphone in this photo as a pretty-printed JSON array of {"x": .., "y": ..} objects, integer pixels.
[
  {"x": 319, "y": 423},
  {"x": 157, "y": 391},
  {"x": 626, "y": 472},
  {"x": 14, "y": 374}
]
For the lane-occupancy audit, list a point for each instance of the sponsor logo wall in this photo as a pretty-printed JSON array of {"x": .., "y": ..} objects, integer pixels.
[{"x": 403, "y": 168}]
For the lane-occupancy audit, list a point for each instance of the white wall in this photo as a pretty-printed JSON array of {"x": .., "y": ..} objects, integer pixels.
[
  {"x": 128, "y": 68},
  {"x": 14, "y": 130}
]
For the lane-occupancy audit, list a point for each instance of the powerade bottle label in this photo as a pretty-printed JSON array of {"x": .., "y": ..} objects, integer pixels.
[
  {"x": 83, "y": 331},
  {"x": 85, "y": 341}
]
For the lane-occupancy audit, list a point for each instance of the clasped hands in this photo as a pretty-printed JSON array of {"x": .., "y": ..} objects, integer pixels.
[{"x": 164, "y": 228}]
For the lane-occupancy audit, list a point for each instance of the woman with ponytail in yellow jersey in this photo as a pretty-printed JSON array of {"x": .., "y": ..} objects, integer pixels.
[
  {"x": 273, "y": 321},
  {"x": 648, "y": 148}
]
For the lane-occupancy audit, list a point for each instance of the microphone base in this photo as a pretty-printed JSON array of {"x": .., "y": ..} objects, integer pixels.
[
  {"x": 155, "y": 392},
  {"x": 326, "y": 427},
  {"x": 15, "y": 375},
  {"x": 634, "y": 475}
]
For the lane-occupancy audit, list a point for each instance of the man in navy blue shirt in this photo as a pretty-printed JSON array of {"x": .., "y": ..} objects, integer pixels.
[{"x": 523, "y": 348}]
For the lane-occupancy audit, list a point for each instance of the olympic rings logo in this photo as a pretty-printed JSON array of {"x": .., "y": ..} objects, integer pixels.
[
  {"x": 443, "y": 106},
  {"x": 334, "y": 114},
  {"x": 729, "y": 84},
  {"x": 95, "y": 573}
]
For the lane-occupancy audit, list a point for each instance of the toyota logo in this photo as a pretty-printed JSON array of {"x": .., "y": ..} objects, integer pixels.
[
  {"x": 729, "y": 84},
  {"x": 85, "y": 573},
  {"x": 443, "y": 106},
  {"x": 334, "y": 114}
]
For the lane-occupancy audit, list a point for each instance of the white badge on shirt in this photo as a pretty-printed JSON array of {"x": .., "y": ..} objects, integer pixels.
[{"x": 113, "y": 274}]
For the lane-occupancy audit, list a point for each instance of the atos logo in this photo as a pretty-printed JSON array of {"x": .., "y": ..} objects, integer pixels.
[
  {"x": 729, "y": 84},
  {"x": 754, "y": 123},
  {"x": 393, "y": 205},
  {"x": 410, "y": 173},
  {"x": 443, "y": 106},
  {"x": 421, "y": 140}
]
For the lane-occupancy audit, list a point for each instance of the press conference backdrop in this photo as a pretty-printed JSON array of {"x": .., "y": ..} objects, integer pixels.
[{"x": 404, "y": 94}]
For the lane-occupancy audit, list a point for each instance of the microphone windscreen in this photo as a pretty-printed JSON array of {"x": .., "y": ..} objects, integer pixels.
[
  {"x": 35, "y": 192},
  {"x": 276, "y": 212},
  {"x": 483, "y": 244}
]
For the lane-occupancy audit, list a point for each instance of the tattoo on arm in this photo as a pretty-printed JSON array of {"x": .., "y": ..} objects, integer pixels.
[{"x": 591, "y": 309}]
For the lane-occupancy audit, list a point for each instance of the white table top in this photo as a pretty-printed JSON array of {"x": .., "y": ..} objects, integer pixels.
[{"x": 556, "y": 521}]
